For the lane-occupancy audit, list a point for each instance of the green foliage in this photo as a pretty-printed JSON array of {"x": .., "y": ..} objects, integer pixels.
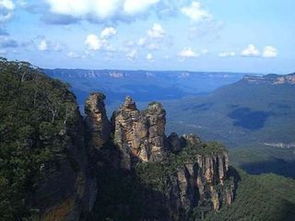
[
  {"x": 209, "y": 115},
  {"x": 34, "y": 114},
  {"x": 156, "y": 175},
  {"x": 264, "y": 197}
]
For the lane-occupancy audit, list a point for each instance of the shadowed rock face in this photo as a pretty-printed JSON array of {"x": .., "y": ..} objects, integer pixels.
[
  {"x": 196, "y": 184},
  {"x": 156, "y": 117},
  {"x": 97, "y": 123}
]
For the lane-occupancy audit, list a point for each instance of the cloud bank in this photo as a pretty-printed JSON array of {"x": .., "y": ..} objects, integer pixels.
[{"x": 100, "y": 9}]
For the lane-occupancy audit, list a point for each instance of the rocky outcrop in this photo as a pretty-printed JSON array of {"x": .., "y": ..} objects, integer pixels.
[
  {"x": 97, "y": 123},
  {"x": 140, "y": 135},
  {"x": 156, "y": 118},
  {"x": 199, "y": 180},
  {"x": 203, "y": 183}
]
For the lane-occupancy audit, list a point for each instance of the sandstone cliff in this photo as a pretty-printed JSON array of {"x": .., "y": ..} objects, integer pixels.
[
  {"x": 140, "y": 135},
  {"x": 273, "y": 79},
  {"x": 177, "y": 175},
  {"x": 97, "y": 124},
  {"x": 127, "y": 169}
]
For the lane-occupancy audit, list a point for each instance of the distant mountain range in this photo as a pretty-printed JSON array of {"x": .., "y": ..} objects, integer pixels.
[
  {"x": 272, "y": 79},
  {"x": 256, "y": 109},
  {"x": 142, "y": 85},
  {"x": 255, "y": 116}
]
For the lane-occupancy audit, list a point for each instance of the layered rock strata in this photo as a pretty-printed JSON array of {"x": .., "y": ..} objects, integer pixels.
[{"x": 140, "y": 137}]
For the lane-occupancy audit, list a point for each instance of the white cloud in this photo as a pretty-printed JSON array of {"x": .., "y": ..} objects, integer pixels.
[
  {"x": 131, "y": 55},
  {"x": 93, "y": 42},
  {"x": 154, "y": 39},
  {"x": 188, "y": 53},
  {"x": 195, "y": 12},
  {"x": 100, "y": 9},
  {"x": 250, "y": 51},
  {"x": 43, "y": 45},
  {"x": 108, "y": 32},
  {"x": 270, "y": 52},
  {"x": 149, "y": 57},
  {"x": 7, "y": 4},
  {"x": 132, "y": 7},
  {"x": 227, "y": 54},
  {"x": 156, "y": 31},
  {"x": 6, "y": 10},
  {"x": 46, "y": 45}
]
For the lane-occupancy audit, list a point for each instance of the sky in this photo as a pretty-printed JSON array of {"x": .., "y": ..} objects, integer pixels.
[{"x": 255, "y": 36}]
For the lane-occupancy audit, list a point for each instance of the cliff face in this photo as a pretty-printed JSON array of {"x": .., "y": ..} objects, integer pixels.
[
  {"x": 191, "y": 175},
  {"x": 272, "y": 79},
  {"x": 140, "y": 135},
  {"x": 67, "y": 190},
  {"x": 203, "y": 183},
  {"x": 203, "y": 180},
  {"x": 97, "y": 124},
  {"x": 56, "y": 165},
  {"x": 64, "y": 193}
]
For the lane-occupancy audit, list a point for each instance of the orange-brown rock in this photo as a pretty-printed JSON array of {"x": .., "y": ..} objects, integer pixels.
[{"x": 140, "y": 135}]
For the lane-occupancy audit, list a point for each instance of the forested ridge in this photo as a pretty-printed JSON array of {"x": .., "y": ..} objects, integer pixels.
[{"x": 35, "y": 112}]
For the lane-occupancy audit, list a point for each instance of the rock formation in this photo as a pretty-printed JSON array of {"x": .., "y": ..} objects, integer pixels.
[
  {"x": 193, "y": 178},
  {"x": 156, "y": 118},
  {"x": 97, "y": 123},
  {"x": 139, "y": 135},
  {"x": 201, "y": 181}
]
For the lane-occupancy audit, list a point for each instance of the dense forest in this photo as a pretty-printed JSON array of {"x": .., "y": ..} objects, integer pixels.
[
  {"x": 35, "y": 111},
  {"x": 38, "y": 122}
]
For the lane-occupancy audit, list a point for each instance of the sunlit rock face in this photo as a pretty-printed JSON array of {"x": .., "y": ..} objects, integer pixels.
[{"x": 140, "y": 135}]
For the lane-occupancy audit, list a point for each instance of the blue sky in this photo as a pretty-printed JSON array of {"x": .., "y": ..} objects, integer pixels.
[{"x": 205, "y": 35}]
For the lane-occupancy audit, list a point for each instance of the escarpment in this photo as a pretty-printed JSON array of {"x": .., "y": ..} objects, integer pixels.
[
  {"x": 179, "y": 176},
  {"x": 43, "y": 158},
  {"x": 56, "y": 165}
]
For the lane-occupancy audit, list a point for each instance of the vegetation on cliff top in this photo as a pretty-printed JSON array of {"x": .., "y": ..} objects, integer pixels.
[
  {"x": 264, "y": 197},
  {"x": 35, "y": 112},
  {"x": 155, "y": 174}
]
